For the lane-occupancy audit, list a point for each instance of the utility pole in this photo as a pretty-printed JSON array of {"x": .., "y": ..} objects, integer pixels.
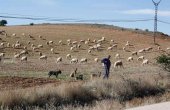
[{"x": 156, "y": 18}]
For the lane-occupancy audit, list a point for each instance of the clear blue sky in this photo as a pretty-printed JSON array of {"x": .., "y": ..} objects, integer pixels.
[{"x": 90, "y": 10}]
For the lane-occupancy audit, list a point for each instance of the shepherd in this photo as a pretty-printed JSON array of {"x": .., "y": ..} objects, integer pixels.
[{"x": 106, "y": 63}]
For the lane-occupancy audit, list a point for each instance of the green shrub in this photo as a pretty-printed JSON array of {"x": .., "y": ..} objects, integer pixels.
[{"x": 164, "y": 60}]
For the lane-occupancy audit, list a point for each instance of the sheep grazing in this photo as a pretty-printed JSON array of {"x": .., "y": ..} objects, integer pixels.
[
  {"x": 72, "y": 48},
  {"x": 118, "y": 63},
  {"x": 79, "y": 45},
  {"x": 95, "y": 75},
  {"x": 24, "y": 52},
  {"x": 74, "y": 60},
  {"x": 109, "y": 48},
  {"x": 68, "y": 56},
  {"x": 81, "y": 41},
  {"x": 2, "y": 54},
  {"x": 52, "y": 50},
  {"x": 60, "y": 42},
  {"x": 168, "y": 48},
  {"x": 148, "y": 49},
  {"x": 59, "y": 59},
  {"x": 115, "y": 45},
  {"x": 73, "y": 73},
  {"x": 40, "y": 46},
  {"x": 24, "y": 58},
  {"x": 134, "y": 53},
  {"x": 40, "y": 36},
  {"x": 16, "y": 55},
  {"x": 112, "y": 41},
  {"x": 14, "y": 34},
  {"x": 55, "y": 73},
  {"x": 88, "y": 39},
  {"x": 141, "y": 58},
  {"x": 74, "y": 42},
  {"x": 94, "y": 41},
  {"x": 43, "y": 57},
  {"x": 50, "y": 42},
  {"x": 86, "y": 42},
  {"x": 117, "y": 56},
  {"x": 146, "y": 61},
  {"x": 2, "y": 45},
  {"x": 83, "y": 60},
  {"x": 96, "y": 60},
  {"x": 40, "y": 54},
  {"x": 89, "y": 51},
  {"x": 141, "y": 51},
  {"x": 130, "y": 59},
  {"x": 8, "y": 45},
  {"x": 28, "y": 42}
]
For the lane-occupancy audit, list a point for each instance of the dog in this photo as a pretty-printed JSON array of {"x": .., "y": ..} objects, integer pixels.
[{"x": 55, "y": 73}]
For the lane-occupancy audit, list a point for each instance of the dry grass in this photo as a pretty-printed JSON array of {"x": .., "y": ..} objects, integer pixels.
[{"x": 85, "y": 94}]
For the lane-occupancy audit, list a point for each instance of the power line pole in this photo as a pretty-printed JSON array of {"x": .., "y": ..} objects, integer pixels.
[{"x": 156, "y": 18}]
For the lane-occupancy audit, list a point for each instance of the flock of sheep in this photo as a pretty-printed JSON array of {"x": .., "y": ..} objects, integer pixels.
[{"x": 73, "y": 45}]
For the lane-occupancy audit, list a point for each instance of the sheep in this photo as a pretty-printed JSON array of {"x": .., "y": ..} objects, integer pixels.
[
  {"x": 2, "y": 54},
  {"x": 73, "y": 73},
  {"x": 23, "y": 52},
  {"x": 43, "y": 57},
  {"x": 115, "y": 45},
  {"x": 13, "y": 34},
  {"x": 28, "y": 42},
  {"x": 141, "y": 58},
  {"x": 83, "y": 60},
  {"x": 74, "y": 60},
  {"x": 40, "y": 53},
  {"x": 25, "y": 47},
  {"x": 23, "y": 34},
  {"x": 118, "y": 63},
  {"x": 55, "y": 73},
  {"x": 68, "y": 40},
  {"x": 134, "y": 53},
  {"x": 168, "y": 48},
  {"x": 130, "y": 59},
  {"x": 86, "y": 42},
  {"x": 112, "y": 41},
  {"x": 24, "y": 58},
  {"x": 146, "y": 61},
  {"x": 79, "y": 45},
  {"x": 148, "y": 49},
  {"x": 2, "y": 45},
  {"x": 74, "y": 42},
  {"x": 124, "y": 48},
  {"x": 60, "y": 42},
  {"x": 52, "y": 50},
  {"x": 40, "y": 36},
  {"x": 17, "y": 45},
  {"x": 50, "y": 42},
  {"x": 89, "y": 51},
  {"x": 117, "y": 56},
  {"x": 16, "y": 55},
  {"x": 141, "y": 51},
  {"x": 96, "y": 59},
  {"x": 109, "y": 48},
  {"x": 88, "y": 39},
  {"x": 68, "y": 56},
  {"x": 59, "y": 59},
  {"x": 95, "y": 75},
  {"x": 72, "y": 48},
  {"x": 94, "y": 41},
  {"x": 40, "y": 46},
  {"x": 81, "y": 41},
  {"x": 8, "y": 45}
]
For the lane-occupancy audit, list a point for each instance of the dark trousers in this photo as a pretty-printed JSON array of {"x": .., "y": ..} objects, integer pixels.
[{"x": 106, "y": 72}]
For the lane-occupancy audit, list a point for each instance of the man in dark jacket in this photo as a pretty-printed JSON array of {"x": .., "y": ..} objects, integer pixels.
[{"x": 106, "y": 63}]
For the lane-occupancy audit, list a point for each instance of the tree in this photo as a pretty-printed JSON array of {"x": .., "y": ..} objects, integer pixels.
[{"x": 3, "y": 23}]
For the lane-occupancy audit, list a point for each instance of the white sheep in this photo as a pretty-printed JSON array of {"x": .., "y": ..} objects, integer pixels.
[
  {"x": 118, "y": 63},
  {"x": 13, "y": 34},
  {"x": 2, "y": 54},
  {"x": 23, "y": 52},
  {"x": 148, "y": 49},
  {"x": 43, "y": 57},
  {"x": 74, "y": 60},
  {"x": 2, "y": 45},
  {"x": 24, "y": 58},
  {"x": 130, "y": 59},
  {"x": 89, "y": 51},
  {"x": 86, "y": 42},
  {"x": 60, "y": 42},
  {"x": 168, "y": 48},
  {"x": 140, "y": 58},
  {"x": 146, "y": 61},
  {"x": 134, "y": 53},
  {"x": 109, "y": 48},
  {"x": 68, "y": 40},
  {"x": 40, "y": 46},
  {"x": 68, "y": 56},
  {"x": 74, "y": 42},
  {"x": 141, "y": 51},
  {"x": 83, "y": 60},
  {"x": 117, "y": 56},
  {"x": 59, "y": 59},
  {"x": 8, "y": 45},
  {"x": 96, "y": 59},
  {"x": 52, "y": 50},
  {"x": 16, "y": 55}
]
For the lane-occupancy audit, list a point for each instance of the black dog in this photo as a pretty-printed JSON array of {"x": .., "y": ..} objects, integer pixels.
[{"x": 56, "y": 73}]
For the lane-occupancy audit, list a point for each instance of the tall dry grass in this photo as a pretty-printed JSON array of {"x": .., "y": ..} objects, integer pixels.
[{"x": 90, "y": 94}]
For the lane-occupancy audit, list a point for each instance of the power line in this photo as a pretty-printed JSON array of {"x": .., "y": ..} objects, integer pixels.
[{"x": 165, "y": 22}]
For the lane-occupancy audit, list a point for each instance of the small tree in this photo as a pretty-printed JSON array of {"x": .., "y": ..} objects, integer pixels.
[
  {"x": 31, "y": 24},
  {"x": 164, "y": 60},
  {"x": 3, "y": 23}
]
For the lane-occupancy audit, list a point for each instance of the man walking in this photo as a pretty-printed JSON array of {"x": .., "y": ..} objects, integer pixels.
[{"x": 106, "y": 63}]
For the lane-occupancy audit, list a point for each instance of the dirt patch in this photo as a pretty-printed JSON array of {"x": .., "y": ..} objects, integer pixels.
[{"x": 7, "y": 83}]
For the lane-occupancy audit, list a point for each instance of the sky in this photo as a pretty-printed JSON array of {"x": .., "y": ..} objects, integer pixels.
[{"x": 89, "y": 10}]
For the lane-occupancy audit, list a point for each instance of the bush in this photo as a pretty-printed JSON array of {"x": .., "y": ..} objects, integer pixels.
[
  {"x": 3, "y": 23},
  {"x": 31, "y": 24},
  {"x": 164, "y": 60}
]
